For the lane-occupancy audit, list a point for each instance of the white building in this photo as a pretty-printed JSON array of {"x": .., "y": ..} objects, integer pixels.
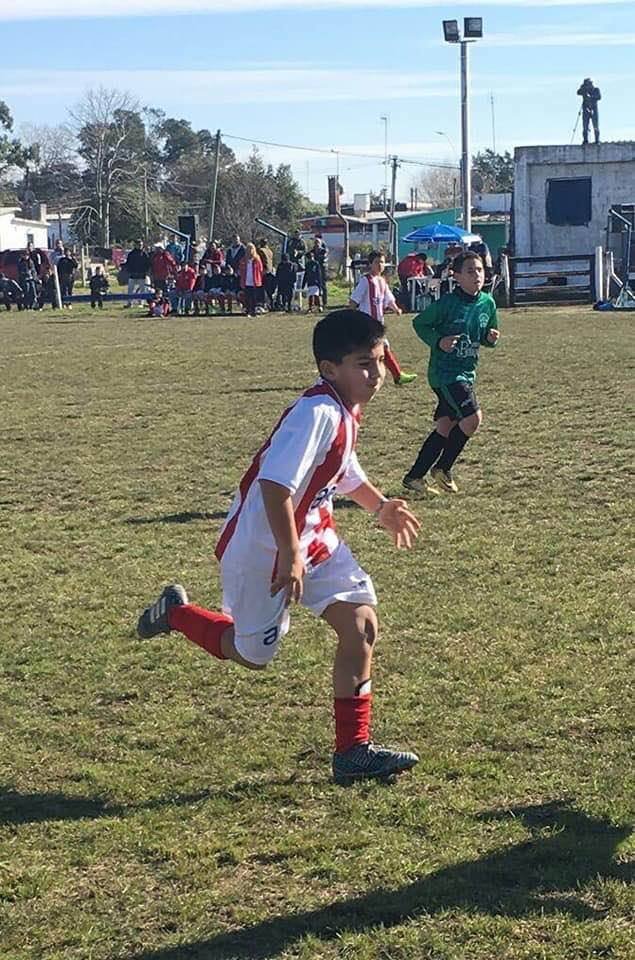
[
  {"x": 16, "y": 231},
  {"x": 562, "y": 196}
]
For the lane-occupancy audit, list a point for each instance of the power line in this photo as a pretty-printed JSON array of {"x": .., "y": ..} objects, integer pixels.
[{"x": 333, "y": 152}]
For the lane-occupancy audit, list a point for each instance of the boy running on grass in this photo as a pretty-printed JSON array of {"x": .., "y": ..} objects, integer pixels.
[
  {"x": 454, "y": 327},
  {"x": 279, "y": 543},
  {"x": 373, "y": 295}
]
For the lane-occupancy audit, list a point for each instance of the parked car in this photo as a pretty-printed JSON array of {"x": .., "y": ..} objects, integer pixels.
[{"x": 9, "y": 261}]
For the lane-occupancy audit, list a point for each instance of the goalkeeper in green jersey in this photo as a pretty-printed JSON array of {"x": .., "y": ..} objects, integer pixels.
[{"x": 455, "y": 328}]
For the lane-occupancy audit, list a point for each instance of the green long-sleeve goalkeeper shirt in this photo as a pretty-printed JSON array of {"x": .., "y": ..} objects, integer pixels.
[{"x": 456, "y": 314}]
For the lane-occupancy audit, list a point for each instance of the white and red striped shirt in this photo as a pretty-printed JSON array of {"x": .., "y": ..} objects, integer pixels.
[
  {"x": 311, "y": 452},
  {"x": 373, "y": 296}
]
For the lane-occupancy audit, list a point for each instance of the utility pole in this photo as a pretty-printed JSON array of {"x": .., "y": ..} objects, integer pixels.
[
  {"x": 146, "y": 219},
  {"x": 384, "y": 120},
  {"x": 491, "y": 100},
  {"x": 212, "y": 196},
  {"x": 393, "y": 190}
]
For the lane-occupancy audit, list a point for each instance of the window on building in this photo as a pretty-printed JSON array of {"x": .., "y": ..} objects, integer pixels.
[
  {"x": 569, "y": 201},
  {"x": 30, "y": 238}
]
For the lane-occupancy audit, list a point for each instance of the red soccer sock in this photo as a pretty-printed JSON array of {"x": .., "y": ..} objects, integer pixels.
[
  {"x": 352, "y": 721},
  {"x": 203, "y": 627},
  {"x": 392, "y": 363}
]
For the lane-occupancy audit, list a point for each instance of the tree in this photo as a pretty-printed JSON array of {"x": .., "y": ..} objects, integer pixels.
[
  {"x": 440, "y": 186},
  {"x": 56, "y": 177},
  {"x": 113, "y": 145},
  {"x": 12, "y": 152},
  {"x": 496, "y": 171}
]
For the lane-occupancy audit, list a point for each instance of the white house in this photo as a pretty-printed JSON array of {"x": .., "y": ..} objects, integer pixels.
[
  {"x": 16, "y": 231},
  {"x": 562, "y": 196}
]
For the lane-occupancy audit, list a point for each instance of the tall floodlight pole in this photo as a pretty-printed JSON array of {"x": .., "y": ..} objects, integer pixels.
[
  {"x": 472, "y": 30},
  {"x": 466, "y": 172},
  {"x": 384, "y": 120}
]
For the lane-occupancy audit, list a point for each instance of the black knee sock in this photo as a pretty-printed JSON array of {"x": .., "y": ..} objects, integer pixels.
[
  {"x": 453, "y": 446},
  {"x": 428, "y": 455}
]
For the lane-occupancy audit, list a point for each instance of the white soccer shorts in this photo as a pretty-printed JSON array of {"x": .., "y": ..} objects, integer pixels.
[{"x": 261, "y": 621}]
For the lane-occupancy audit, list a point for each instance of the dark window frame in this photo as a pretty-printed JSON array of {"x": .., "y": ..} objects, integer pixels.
[{"x": 563, "y": 211}]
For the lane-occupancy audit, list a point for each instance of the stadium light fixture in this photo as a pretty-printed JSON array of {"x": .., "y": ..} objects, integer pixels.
[
  {"x": 451, "y": 31},
  {"x": 472, "y": 30}
]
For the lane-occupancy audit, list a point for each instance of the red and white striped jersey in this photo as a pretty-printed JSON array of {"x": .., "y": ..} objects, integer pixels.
[
  {"x": 373, "y": 296},
  {"x": 311, "y": 452}
]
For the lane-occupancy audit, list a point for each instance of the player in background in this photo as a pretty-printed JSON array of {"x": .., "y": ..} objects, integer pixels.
[
  {"x": 455, "y": 328},
  {"x": 279, "y": 544},
  {"x": 373, "y": 295}
]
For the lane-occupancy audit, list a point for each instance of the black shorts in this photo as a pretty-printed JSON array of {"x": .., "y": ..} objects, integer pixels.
[{"x": 456, "y": 401}]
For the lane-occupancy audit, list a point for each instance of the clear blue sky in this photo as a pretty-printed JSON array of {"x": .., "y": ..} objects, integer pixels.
[{"x": 323, "y": 75}]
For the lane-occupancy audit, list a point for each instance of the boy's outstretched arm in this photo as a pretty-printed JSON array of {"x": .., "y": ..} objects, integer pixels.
[
  {"x": 393, "y": 515},
  {"x": 279, "y": 510}
]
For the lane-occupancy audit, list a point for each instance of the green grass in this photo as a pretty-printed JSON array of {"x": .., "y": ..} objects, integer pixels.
[{"x": 158, "y": 805}]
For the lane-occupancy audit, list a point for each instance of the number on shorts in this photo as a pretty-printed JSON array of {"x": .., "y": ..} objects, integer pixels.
[{"x": 271, "y": 635}]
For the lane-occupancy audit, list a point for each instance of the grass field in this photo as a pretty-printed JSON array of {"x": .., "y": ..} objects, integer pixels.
[{"x": 158, "y": 805}]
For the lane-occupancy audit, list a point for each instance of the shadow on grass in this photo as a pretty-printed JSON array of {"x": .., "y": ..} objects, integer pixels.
[
  {"x": 187, "y": 516},
  {"x": 542, "y": 875},
  {"x": 22, "y": 808}
]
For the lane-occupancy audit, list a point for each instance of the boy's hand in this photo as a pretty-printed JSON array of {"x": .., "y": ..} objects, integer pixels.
[
  {"x": 395, "y": 517},
  {"x": 493, "y": 335},
  {"x": 447, "y": 344},
  {"x": 289, "y": 577}
]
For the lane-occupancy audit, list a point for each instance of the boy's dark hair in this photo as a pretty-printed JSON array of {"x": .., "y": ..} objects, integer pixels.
[
  {"x": 458, "y": 262},
  {"x": 374, "y": 254},
  {"x": 345, "y": 331}
]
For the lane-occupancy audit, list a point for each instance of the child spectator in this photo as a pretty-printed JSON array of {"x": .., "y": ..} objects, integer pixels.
[
  {"x": 312, "y": 281},
  {"x": 373, "y": 295},
  {"x": 279, "y": 544},
  {"x": 228, "y": 284},
  {"x": 285, "y": 282},
  {"x": 455, "y": 328},
  {"x": 185, "y": 281},
  {"x": 159, "y": 306},
  {"x": 200, "y": 289},
  {"x": 98, "y": 287},
  {"x": 48, "y": 293}
]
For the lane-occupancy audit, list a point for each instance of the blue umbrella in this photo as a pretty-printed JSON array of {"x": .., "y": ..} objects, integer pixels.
[{"x": 440, "y": 233}]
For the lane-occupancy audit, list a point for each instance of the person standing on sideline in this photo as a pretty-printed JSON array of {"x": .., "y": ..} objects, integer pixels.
[
  {"x": 163, "y": 267},
  {"x": 285, "y": 283},
  {"x": 235, "y": 253},
  {"x": 175, "y": 249},
  {"x": 279, "y": 545},
  {"x": 455, "y": 328},
  {"x": 137, "y": 266},
  {"x": 321, "y": 256},
  {"x": 373, "y": 295},
  {"x": 296, "y": 248},
  {"x": 251, "y": 278},
  {"x": 66, "y": 267},
  {"x": 56, "y": 253},
  {"x": 269, "y": 282}
]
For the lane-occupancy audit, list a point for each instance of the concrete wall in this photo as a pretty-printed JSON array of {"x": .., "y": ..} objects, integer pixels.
[
  {"x": 611, "y": 167},
  {"x": 15, "y": 232}
]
